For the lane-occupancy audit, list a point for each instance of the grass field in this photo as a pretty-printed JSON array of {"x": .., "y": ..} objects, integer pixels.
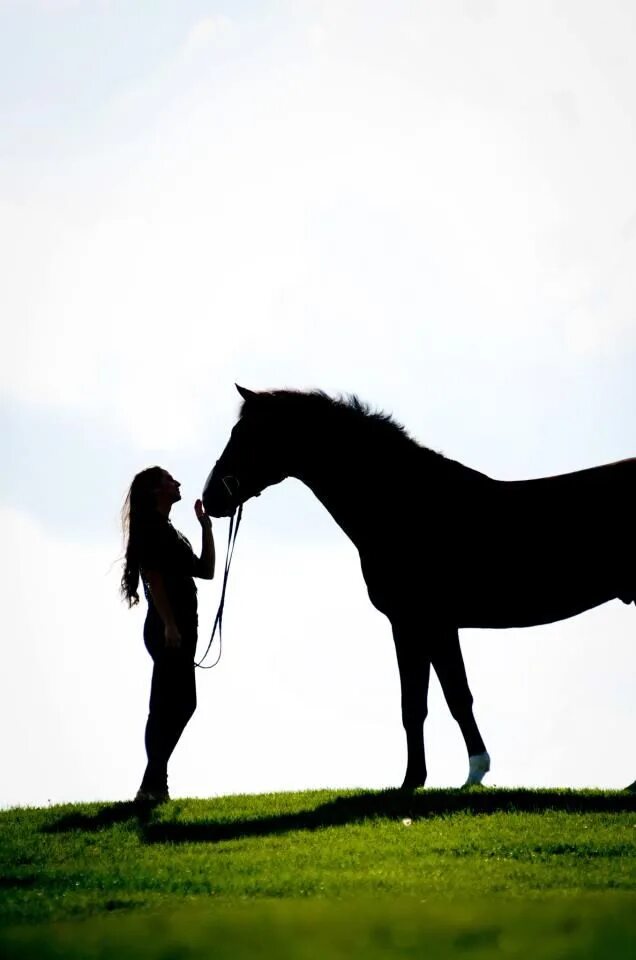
[{"x": 479, "y": 873}]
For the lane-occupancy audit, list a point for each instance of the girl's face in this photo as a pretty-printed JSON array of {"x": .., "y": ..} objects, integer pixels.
[{"x": 168, "y": 488}]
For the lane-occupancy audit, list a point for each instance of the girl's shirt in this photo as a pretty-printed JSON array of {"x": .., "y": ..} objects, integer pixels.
[{"x": 170, "y": 553}]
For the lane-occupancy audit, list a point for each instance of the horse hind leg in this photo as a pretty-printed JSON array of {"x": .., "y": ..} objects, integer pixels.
[
  {"x": 478, "y": 767},
  {"x": 448, "y": 664}
]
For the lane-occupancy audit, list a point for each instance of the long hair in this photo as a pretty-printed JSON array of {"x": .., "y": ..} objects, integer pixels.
[{"x": 137, "y": 515}]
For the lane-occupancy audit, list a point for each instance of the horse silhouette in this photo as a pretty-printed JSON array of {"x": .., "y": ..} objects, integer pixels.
[{"x": 469, "y": 551}]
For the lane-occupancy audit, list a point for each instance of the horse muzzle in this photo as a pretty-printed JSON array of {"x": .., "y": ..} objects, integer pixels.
[{"x": 220, "y": 495}]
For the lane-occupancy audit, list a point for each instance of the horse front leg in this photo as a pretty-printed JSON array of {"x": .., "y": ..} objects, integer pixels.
[
  {"x": 448, "y": 663},
  {"x": 414, "y": 666}
]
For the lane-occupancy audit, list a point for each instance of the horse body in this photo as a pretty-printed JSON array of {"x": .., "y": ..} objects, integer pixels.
[
  {"x": 487, "y": 553},
  {"x": 555, "y": 547},
  {"x": 441, "y": 545}
]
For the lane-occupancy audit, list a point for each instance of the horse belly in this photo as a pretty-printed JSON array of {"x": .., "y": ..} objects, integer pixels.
[
  {"x": 519, "y": 608},
  {"x": 534, "y": 591}
]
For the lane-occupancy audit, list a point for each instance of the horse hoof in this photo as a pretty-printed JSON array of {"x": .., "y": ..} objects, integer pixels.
[
  {"x": 478, "y": 767},
  {"x": 410, "y": 784}
]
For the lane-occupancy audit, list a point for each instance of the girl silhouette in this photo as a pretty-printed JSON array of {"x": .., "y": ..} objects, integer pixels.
[{"x": 166, "y": 563}]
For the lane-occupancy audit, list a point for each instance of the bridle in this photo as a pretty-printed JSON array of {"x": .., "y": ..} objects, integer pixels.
[{"x": 235, "y": 521}]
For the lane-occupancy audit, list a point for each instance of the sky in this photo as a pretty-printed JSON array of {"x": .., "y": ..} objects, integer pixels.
[{"x": 431, "y": 205}]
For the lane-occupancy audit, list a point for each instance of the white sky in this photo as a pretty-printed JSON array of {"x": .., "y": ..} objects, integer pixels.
[{"x": 431, "y": 204}]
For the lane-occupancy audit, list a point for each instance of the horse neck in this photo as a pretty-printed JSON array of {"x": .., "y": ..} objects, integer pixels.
[
  {"x": 348, "y": 480},
  {"x": 340, "y": 501}
]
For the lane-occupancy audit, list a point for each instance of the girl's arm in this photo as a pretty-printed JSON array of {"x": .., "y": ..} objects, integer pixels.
[
  {"x": 206, "y": 562},
  {"x": 157, "y": 588}
]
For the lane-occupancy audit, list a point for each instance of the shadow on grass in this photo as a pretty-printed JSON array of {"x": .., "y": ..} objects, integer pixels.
[
  {"x": 392, "y": 805},
  {"x": 107, "y": 816},
  {"x": 358, "y": 808}
]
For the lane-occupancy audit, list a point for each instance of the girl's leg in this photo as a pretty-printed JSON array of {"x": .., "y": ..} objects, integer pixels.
[{"x": 172, "y": 703}]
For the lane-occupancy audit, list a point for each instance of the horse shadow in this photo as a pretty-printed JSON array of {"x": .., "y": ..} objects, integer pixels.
[{"x": 344, "y": 810}]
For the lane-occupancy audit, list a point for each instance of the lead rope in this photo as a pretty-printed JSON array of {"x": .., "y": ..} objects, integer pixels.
[{"x": 218, "y": 620}]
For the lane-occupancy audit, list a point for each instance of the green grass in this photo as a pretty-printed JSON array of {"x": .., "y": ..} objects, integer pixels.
[{"x": 492, "y": 873}]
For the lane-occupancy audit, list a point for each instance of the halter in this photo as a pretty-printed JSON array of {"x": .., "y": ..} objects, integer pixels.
[{"x": 218, "y": 620}]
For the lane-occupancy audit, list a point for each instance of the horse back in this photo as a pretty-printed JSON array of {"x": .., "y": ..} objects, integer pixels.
[{"x": 596, "y": 504}]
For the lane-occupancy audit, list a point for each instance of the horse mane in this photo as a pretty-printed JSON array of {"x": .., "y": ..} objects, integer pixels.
[{"x": 341, "y": 410}]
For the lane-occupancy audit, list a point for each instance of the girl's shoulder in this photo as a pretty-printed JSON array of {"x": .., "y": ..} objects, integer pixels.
[
  {"x": 153, "y": 540},
  {"x": 182, "y": 538}
]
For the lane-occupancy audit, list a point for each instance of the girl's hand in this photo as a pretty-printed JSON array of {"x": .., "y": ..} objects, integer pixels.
[
  {"x": 172, "y": 637},
  {"x": 202, "y": 516}
]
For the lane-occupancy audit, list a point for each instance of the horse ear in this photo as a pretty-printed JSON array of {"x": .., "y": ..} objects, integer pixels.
[{"x": 244, "y": 392}]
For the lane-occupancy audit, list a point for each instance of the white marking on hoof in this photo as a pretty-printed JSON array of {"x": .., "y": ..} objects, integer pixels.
[{"x": 478, "y": 766}]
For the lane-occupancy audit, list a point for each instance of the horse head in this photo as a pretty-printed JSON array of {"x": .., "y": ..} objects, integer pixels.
[{"x": 252, "y": 460}]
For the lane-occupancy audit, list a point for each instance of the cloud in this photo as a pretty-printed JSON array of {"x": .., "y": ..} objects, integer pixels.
[
  {"x": 55, "y": 6},
  {"x": 52, "y": 6},
  {"x": 65, "y": 693},
  {"x": 296, "y": 204},
  {"x": 210, "y": 32}
]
